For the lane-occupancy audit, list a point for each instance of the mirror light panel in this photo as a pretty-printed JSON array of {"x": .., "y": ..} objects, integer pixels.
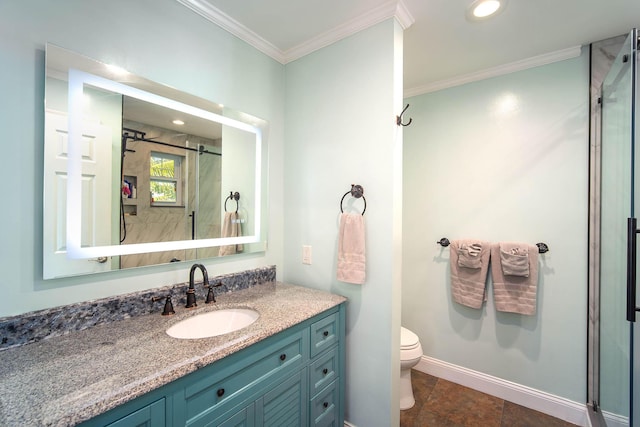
[{"x": 77, "y": 80}]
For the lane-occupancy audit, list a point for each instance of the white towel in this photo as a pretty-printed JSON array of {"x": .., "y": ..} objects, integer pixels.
[
  {"x": 515, "y": 293},
  {"x": 351, "y": 249},
  {"x": 469, "y": 261},
  {"x": 231, "y": 228}
]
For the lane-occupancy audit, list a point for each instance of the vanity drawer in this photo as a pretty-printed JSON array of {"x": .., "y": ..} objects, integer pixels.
[
  {"x": 324, "y": 334},
  {"x": 150, "y": 415},
  {"x": 323, "y": 371},
  {"x": 226, "y": 387},
  {"x": 325, "y": 407}
]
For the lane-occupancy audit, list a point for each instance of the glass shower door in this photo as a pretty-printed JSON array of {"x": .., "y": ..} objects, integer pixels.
[{"x": 617, "y": 238}]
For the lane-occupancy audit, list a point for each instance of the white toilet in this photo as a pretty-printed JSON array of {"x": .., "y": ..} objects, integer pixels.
[{"x": 410, "y": 354}]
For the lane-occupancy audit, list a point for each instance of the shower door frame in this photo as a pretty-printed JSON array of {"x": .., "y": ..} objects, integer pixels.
[{"x": 600, "y": 62}]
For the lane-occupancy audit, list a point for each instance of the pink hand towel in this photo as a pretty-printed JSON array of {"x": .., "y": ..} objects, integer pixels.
[
  {"x": 351, "y": 249},
  {"x": 231, "y": 228}
]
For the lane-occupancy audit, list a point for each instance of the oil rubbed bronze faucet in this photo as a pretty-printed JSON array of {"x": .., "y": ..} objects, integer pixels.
[
  {"x": 168, "y": 306},
  {"x": 191, "y": 292}
]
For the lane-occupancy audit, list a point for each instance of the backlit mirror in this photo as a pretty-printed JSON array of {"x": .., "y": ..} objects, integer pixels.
[{"x": 137, "y": 173}]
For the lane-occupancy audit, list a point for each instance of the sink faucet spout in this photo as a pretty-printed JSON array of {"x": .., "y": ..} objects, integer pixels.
[{"x": 191, "y": 292}]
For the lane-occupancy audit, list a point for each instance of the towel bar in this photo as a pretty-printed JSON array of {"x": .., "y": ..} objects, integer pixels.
[{"x": 542, "y": 247}]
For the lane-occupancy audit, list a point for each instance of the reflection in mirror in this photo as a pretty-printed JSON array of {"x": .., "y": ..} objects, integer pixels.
[{"x": 151, "y": 171}]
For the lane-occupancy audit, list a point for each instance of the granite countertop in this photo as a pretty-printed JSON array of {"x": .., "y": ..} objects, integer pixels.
[{"x": 68, "y": 379}]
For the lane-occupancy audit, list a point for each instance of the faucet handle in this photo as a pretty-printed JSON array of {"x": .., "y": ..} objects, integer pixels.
[
  {"x": 168, "y": 305},
  {"x": 210, "y": 296}
]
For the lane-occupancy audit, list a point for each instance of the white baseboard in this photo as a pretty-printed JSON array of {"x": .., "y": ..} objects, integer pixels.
[
  {"x": 528, "y": 397},
  {"x": 614, "y": 420}
]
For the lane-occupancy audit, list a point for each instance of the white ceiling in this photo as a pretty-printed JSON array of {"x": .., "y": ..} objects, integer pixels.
[{"x": 440, "y": 45}]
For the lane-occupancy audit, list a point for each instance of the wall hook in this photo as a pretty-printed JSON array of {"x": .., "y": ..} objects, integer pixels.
[{"x": 399, "y": 118}]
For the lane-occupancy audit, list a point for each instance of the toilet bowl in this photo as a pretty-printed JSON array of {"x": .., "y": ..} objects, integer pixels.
[{"x": 410, "y": 354}]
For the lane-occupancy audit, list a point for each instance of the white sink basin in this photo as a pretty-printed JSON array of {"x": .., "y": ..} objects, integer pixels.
[{"x": 213, "y": 323}]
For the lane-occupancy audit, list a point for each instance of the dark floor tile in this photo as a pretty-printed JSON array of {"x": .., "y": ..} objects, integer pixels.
[
  {"x": 429, "y": 419},
  {"x": 518, "y": 416},
  {"x": 440, "y": 403},
  {"x": 463, "y": 406},
  {"x": 422, "y": 386},
  {"x": 409, "y": 417}
]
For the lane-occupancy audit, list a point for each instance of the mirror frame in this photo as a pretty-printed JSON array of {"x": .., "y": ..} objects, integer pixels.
[{"x": 77, "y": 80}]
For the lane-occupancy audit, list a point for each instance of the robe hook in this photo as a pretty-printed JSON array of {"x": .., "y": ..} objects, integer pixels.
[{"x": 399, "y": 118}]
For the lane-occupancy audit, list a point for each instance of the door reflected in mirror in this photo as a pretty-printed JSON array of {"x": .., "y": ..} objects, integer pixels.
[{"x": 152, "y": 172}]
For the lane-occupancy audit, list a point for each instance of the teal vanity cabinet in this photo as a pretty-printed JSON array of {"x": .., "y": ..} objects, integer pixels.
[
  {"x": 149, "y": 415},
  {"x": 293, "y": 378}
]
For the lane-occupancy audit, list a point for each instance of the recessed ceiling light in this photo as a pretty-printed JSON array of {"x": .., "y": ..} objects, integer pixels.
[
  {"x": 178, "y": 122},
  {"x": 482, "y": 9}
]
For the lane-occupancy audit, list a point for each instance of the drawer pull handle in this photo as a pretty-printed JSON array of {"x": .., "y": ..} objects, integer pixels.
[
  {"x": 325, "y": 404},
  {"x": 220, "y": 392},
  {"x": 325, "y": 371},
  {"x": 283, "y": 356},
  {"x": 325, "y": 333}
]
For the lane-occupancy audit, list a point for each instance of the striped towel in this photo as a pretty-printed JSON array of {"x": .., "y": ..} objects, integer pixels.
[
  {"x": 515, "y": 285},
  {"x": 469, "y": 278}
]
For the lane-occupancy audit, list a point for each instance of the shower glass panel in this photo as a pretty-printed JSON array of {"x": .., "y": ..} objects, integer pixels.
[{"x": 617, "y": 204}]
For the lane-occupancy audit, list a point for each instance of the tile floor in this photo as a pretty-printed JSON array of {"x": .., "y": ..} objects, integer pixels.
[{"x": 440, "y": 403}]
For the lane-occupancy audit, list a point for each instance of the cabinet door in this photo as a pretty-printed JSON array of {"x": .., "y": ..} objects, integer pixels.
[
  {"x": 150, "y": 416},
  {"x": 285, "y": 404},
  {"x": 243, "y": 418}
]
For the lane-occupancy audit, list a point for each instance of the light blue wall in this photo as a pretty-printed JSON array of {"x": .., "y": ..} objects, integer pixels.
[
  {"x": 340, "y": 113},
  {"x": 504, "y": 159},
  {"x": 158, "y": 39},
  {"x": 340, "y": 130}
]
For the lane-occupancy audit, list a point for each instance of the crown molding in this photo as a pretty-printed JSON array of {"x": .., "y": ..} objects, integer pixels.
[
  {"x": 390, "y": 9},
  {"x": 404, "y": 16},
  {"x": 536, "y": 61},
  {"x": 213, "y": 14}
]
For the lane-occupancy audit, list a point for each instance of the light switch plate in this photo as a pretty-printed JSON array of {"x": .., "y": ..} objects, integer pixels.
[{"x": 306, "y": 254}]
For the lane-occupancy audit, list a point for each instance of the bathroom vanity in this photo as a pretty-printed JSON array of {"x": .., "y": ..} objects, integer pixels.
[{"x": 284, "y": 369}]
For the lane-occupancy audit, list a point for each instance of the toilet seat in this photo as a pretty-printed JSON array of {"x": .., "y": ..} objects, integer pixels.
[{"x": 408, "y": 340}]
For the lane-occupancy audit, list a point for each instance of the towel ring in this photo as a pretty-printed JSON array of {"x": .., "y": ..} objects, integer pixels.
[
  {"x": 356, "y": 191},
  {"x": 235, "y": 196}
]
